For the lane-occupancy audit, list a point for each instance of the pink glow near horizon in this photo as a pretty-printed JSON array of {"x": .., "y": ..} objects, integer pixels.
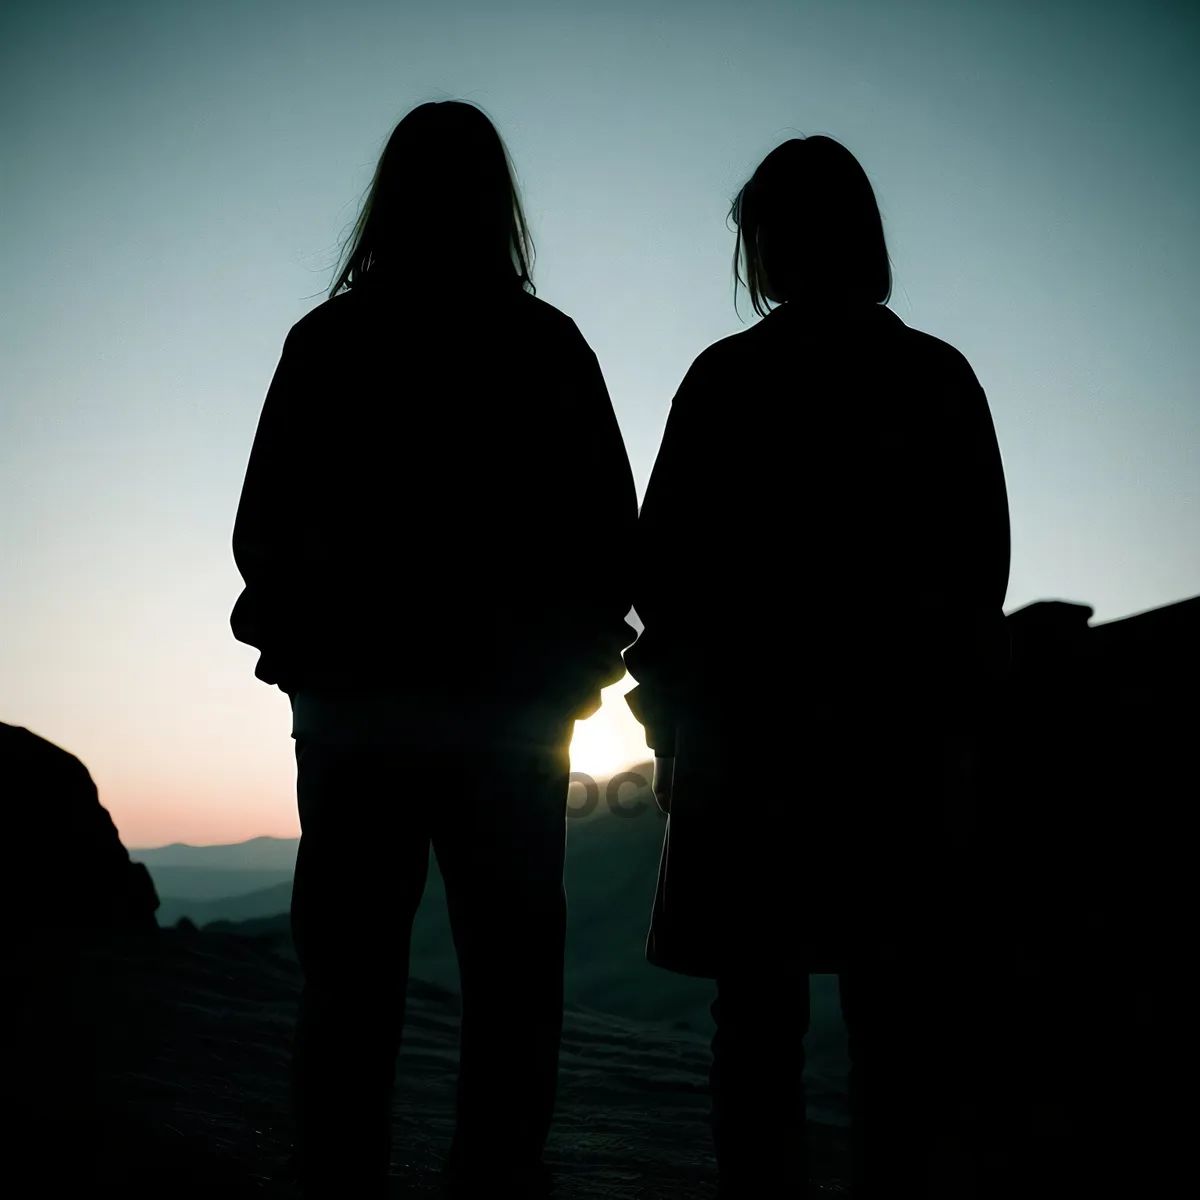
[{"x": 155, "y": 803}]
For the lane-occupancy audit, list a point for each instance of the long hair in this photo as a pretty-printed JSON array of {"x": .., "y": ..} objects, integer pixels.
[
  {"x": 808, "y": 223},
  {"x": 443, "y": 207}
]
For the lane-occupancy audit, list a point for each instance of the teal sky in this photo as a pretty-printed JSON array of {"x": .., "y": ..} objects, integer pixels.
[{"x": 175, "y": 179}]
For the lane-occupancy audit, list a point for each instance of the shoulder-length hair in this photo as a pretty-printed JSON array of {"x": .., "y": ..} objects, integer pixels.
[
  {"x": 809, "y": 226},
  {"x": 442, "y": 209}
]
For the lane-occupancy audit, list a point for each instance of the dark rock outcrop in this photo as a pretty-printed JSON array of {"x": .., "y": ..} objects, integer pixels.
[
  {"x": 70, "y": 898},
  {"x": 66, "y": 870},
  {"x": 1086, "y": 781},
  {"x": 1090, "y": 774}
]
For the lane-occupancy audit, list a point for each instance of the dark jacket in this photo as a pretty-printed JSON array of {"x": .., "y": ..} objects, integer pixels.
[
  {"x": 435, "y": 496},
  {"x": 828, "y": 524}
]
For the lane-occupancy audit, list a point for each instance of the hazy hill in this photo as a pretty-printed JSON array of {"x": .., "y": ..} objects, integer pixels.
[
  {"x": 183, "y": 888},
  {"x": 266, "y": 901}
]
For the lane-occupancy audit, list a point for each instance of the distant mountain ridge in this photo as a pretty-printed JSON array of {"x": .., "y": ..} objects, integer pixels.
[{"x": 258, "y": 853}]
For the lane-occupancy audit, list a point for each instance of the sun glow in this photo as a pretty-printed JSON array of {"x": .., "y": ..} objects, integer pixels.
[{"x": 611, "y": 739}]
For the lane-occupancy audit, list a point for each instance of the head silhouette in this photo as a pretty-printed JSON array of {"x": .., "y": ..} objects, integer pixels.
[
  {"x": 443, "y": 209},
  {"x": 809, "y": 229}
]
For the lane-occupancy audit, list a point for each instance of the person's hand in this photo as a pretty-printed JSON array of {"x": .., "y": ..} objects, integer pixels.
[{"x": 664, "y": 776}]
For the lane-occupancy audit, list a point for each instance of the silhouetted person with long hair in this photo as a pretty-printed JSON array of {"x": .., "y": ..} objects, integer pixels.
[
  {"x": 827, "y": 528},
  {"x": 436, "y": 461}
]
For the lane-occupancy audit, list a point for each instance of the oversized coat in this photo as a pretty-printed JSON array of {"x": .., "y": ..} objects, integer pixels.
[
  {"x": 424, "y": 475},
  {"x": 828, "y": 537}
]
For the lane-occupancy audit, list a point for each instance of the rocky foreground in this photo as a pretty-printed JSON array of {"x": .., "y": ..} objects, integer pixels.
[
  {"x": 188, "y": 1035},
  {"x": 157, "y": 1066}
]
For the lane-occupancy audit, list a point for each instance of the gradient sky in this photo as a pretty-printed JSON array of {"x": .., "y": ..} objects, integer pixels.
[{"x": 176, "y": 177}]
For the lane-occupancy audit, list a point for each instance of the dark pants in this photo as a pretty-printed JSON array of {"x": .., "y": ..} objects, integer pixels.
[
  {"x": 907, "y": 1093},
  {"x": 496, "y": 818}
]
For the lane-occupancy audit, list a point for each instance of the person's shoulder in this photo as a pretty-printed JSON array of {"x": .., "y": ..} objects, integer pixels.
[
  {"x": 543, "y": 315},
  {"x": 719, "y": 357},
  {"x": 933, "y": 351},
  {"x": 728, "y": 347},
  {"x": 943, "y": 375},
  {"x": 329, "y": 315}
]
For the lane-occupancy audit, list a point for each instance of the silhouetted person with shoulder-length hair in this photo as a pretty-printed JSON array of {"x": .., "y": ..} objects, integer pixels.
[
  {"x": 827, "y": 528},
  {"x": 436, "y": 460}
]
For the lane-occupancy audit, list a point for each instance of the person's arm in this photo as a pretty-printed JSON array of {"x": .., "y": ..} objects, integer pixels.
[
  {"x": 985, "y": 548},
  {"x": 652, "y": 707},
  {"x": 607, "y": 514},
  {"x": 662, "y": 522},
  {"x": 664, "y": 779},
  {"x": 980, "y": 536},
  {"x": 582, "y": 639},
  {"x": 267, "y": 544}
]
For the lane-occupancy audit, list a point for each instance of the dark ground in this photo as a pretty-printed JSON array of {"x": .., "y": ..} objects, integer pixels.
[{"x": 191, "y": 1034}]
